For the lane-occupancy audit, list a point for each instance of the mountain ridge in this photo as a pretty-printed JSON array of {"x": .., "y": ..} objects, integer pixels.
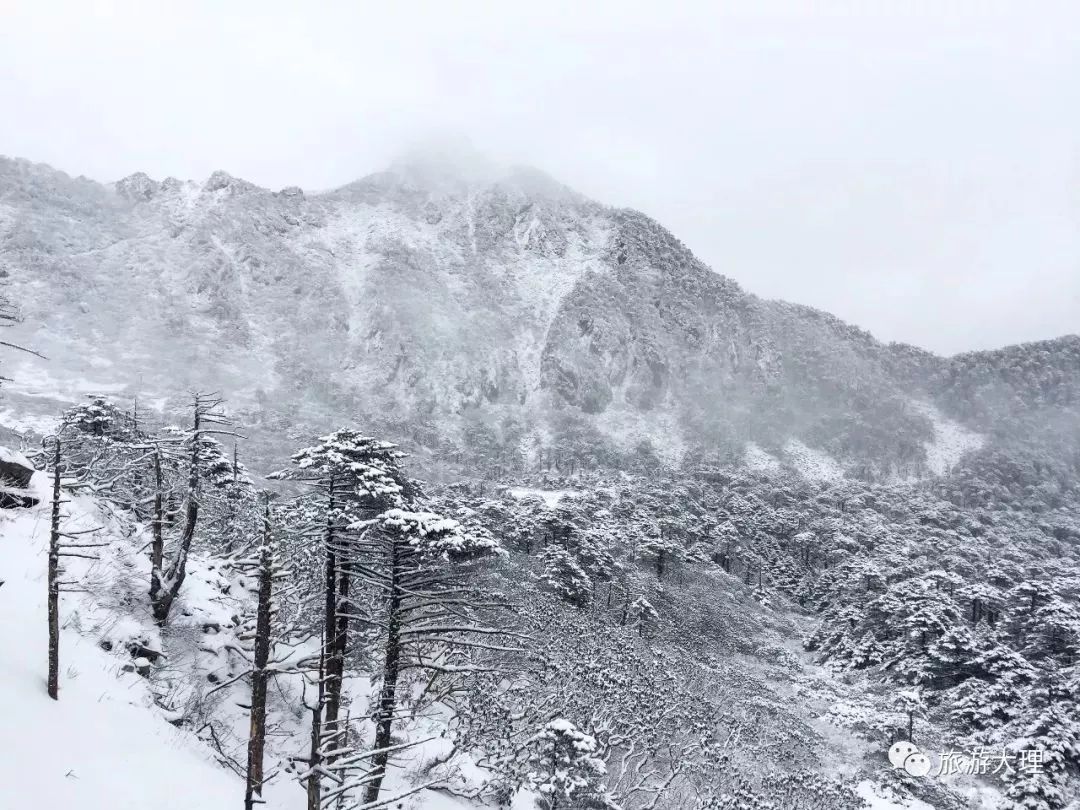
[{"x": 512, "y": 319}]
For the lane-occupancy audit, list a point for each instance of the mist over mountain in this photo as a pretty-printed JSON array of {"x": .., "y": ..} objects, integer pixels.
[{"x": 456, "y": 305}]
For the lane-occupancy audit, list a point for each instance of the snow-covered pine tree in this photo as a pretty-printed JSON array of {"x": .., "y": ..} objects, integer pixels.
[
  {"x": 273, "y": 636},
  {"x": 662, "y": 551},
  {"x": 567, "y": 770},
  {"x": 1047, "y": 750},
  {"x": 417, "y": 562},
  {"x": 361, "y": 477},
  {"x": 643, "y": 616},
  {"x": 909, "y": 703},
  {"x": 563, "y": 576},
  {"x": 101, "y": 418}
]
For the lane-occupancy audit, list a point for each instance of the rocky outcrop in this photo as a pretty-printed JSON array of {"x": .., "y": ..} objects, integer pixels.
[{"x": 15, "y": 475}]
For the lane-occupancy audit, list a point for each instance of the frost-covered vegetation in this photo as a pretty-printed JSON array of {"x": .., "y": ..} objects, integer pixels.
[{"x": 627, "y": 643}]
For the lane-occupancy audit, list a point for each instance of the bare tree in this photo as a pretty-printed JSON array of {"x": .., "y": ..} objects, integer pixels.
[
  {"x": 54, "y": 581},
  {"x": 167, "y": 577},
  {"x": 61, "y": 544},
  {"x": 315, "y": 763}
]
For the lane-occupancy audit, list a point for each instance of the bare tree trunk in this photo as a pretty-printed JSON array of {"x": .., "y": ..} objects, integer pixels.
[
  {"x": 384, "y": 713},
  {"x": 177, "y": 572},
  {"x": 340, "y": 646},
  {"x": 231, "y": 517},
  {"x": 335, "y": 664},
  {"x": 257, "y": 735},
  {"x": 54, "y": 582},
  {"x": 157, "y": 544},
  {"x": 314, "y": 785}
]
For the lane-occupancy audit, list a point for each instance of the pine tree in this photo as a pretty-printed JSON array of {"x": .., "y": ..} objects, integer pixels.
[
  {"x": 361, "y": 476},
  {"x": 101, "y": 418},
  {"x": 910, "y": 704},
  {"x": 413, "y": 560},
  {"x": 663, "y": 552},
  {"x": 568, "y": 771},
  {"x": 564, "y": 577},
  {"x": 643, "y": 616}
]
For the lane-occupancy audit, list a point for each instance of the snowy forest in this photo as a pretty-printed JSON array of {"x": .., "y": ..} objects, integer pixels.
[{"x": 405, "y": 496}]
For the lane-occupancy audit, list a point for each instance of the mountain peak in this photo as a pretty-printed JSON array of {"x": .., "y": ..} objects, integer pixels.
[
  {"x": 222, "y": 180},
  {"x": 137, "y": 186}
]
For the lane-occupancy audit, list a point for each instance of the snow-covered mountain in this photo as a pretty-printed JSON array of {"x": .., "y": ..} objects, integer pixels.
[{"x": 494, "y": 312}]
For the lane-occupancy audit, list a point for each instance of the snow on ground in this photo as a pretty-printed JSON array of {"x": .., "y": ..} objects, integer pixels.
[
  {"x": 757, "y": 459},
  {"x": 951, "y": 440},
  {"x": 879, "y": 798},
  {"x": 812, "y": 464},
  {"x": 103, "y": 745},
  {"x": 32, "y": 379},
  {"x": 551, "y": 497},
  {"x": 22, "y": 423}
]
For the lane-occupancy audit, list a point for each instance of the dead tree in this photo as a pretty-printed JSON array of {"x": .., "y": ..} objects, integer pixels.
[
  {"x": 54, "y": 581},
  {"x": 61, "y": 544},
  {"x": 232, "y": 517},
  {"x": 157, "y": 542},
  {"x": 168, "y": 577}
]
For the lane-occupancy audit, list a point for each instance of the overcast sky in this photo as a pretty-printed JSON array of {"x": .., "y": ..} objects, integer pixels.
[{"x": 914, "y": 172}]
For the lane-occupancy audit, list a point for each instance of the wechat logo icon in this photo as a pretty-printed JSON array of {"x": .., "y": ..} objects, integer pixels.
[{"x": 905, "y": 754}]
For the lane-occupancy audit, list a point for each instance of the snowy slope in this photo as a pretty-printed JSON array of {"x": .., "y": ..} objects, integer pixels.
[
  {"x": 102, "y": 746},
  {"x": 951, "y": 440},
  {"x": 110, "y": 743}
]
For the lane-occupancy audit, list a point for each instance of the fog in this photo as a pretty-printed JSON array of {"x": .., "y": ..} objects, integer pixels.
[{"x": 914, "y": 172}]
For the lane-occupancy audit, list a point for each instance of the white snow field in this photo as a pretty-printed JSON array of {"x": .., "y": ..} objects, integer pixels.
[
  {"x": 812, "y": 464},
  {"x": 951, "y": 440}
]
